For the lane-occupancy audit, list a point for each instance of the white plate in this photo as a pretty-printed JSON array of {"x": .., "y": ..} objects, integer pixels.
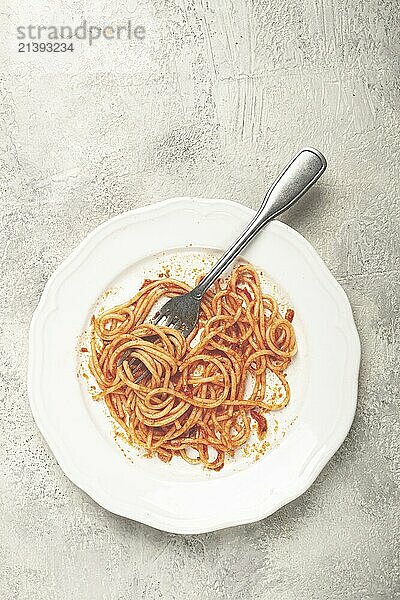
[{"x": 177, "y": 497}]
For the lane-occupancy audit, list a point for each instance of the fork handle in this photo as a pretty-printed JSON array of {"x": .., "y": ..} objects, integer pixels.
[{"x": 297, "y": 177}]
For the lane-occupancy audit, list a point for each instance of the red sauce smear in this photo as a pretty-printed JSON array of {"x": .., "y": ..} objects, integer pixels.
[
  {"x": 188, "y": 391},
  {"x": 289, "y": 315},
  {"x": 261, "y": 423},
  {"x": 146, "y": 282},
  {"x": 247, "y": 294}
]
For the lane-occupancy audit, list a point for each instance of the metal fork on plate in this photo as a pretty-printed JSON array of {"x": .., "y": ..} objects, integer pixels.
[{"x": 182, "y": 312}]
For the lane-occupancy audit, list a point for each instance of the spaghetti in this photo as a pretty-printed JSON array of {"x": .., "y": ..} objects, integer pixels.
[{"x": 199, "y": 395}]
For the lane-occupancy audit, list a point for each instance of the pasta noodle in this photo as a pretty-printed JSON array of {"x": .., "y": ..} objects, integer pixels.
[{"x": 198, "y": 396}]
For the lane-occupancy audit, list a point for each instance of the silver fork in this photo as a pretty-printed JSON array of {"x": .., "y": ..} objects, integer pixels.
[{"x": 182, "y": 312}]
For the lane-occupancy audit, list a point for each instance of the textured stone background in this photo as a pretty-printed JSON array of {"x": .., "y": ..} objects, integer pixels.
[{"x": 212, "y": 103}]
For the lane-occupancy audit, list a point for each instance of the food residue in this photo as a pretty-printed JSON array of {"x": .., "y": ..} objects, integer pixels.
[{"x": 289, "y": 315}]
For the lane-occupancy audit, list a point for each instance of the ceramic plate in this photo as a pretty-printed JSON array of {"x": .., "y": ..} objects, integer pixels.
[{"x": 185, "y": 236}]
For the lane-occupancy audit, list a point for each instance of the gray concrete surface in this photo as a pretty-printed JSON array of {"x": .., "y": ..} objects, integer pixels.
[{"x": 211, "y": 103}]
